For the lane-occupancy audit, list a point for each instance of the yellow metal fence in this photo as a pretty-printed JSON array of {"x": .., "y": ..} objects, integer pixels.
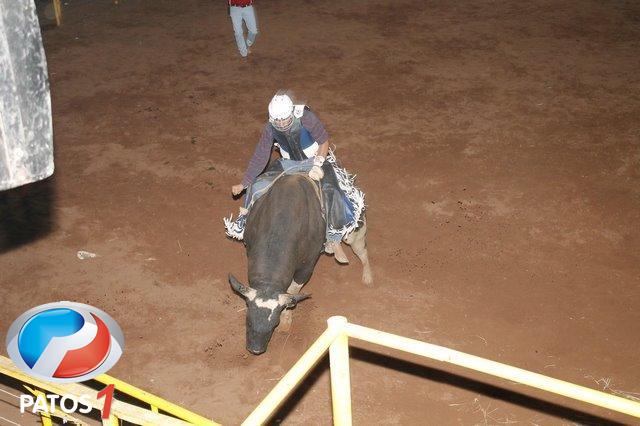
[
  {"x": 178, "y": 416},
  {"x": 335, "y": 340}
]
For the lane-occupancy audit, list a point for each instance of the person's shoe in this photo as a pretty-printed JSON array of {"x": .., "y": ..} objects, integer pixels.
[
  {"x": 335, "y": 248},
  {"x": 328, "y": 247}
]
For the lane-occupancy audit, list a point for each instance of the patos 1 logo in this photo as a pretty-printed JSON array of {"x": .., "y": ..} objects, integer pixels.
[{"x": 65, "y": 342}]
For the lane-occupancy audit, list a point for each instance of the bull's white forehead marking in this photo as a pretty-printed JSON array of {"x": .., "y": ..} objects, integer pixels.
[{"x": 270, "y": 304}]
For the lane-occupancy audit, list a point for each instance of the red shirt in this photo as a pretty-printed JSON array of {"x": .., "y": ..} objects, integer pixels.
[{"x": 240, "y": 2}]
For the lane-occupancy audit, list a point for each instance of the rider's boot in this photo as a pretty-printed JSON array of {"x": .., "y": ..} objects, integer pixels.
[{"x": 335, "y": 248}]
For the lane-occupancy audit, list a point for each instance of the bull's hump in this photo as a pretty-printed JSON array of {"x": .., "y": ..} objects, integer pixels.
[
  {"x": 290, "y": 189},
  {"x": 295, "y": 182},
  {"x": 289, "y": 212}
]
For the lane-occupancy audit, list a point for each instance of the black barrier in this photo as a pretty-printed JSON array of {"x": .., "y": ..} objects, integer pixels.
[{"x": 26, "y": 135}]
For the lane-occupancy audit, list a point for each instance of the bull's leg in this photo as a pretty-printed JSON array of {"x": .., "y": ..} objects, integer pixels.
[
  {"x": 294, "y": 288},
  {"x": 287, "y": 314},
  {"x": 358, "y": 242}
]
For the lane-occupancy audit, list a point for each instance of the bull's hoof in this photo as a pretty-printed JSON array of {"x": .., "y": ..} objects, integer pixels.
[{"x": 367, "y": 279}]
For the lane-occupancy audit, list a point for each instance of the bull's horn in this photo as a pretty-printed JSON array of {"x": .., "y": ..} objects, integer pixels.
[
  {"x": 300, "y": 297},
  {"x": 244, "y": 291}
]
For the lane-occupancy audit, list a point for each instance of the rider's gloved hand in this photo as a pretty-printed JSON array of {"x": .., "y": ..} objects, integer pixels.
[
  {"x": 237, "y": 189},
  {"x": 316, "y": 173}
]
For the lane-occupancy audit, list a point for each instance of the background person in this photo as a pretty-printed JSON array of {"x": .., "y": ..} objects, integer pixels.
[{"x": 239, "y": 11}]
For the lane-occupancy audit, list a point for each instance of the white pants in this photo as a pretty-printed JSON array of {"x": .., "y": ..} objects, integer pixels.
[{"x": 246, "y": 14}]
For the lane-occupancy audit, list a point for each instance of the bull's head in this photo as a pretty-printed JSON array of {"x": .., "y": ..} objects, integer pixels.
[{"x": 263, "y": 313}]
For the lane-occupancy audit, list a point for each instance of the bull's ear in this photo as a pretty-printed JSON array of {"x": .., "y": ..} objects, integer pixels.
[
  {"x": 244, "y": 291},
  {"x": 289, "y": 301}
]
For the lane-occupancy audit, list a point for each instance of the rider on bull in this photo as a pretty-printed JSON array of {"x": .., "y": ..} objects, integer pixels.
[{"x": 303, "y": 143}]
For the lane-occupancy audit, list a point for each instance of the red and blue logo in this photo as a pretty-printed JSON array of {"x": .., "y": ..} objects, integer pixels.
[{"x": 65, "y": 342}]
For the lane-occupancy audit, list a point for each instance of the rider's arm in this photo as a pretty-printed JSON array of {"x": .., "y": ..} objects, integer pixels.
[
  {"x": 323, "y": 149},
  {"x": 312, "y": 123},
  {"x": 260, "y": 156},
  {"x": 319, "y": 134}
]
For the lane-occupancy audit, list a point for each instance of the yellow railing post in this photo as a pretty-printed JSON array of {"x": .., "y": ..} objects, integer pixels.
[
  {"x": 45, "y": 416},
  {"x": 57, "y": 8},
  {"x": 155, "y": 403},
  {"x": 120, "y": 411},
  {"x": 494, "y": 368},
  {"x": 261, "y": 414},
  {"x": 111, "y": 421},
  {"x": 340, "y": 379}
]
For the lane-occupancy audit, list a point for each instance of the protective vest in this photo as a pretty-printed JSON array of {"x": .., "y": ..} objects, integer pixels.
[{"x": 296, "y": 143}]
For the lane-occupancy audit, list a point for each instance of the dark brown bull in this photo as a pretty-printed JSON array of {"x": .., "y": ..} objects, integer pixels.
[{"x": 284, "y": 237}]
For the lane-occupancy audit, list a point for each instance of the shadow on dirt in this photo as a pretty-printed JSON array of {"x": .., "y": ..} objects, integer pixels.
[
  {"x": 309, "y": 382},
  {"x": 435, "y": 375},
  {"x": 26, "y": 214}
]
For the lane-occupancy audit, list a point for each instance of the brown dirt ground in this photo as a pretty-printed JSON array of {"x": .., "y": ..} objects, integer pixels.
[{"x": 499, "y": 147}]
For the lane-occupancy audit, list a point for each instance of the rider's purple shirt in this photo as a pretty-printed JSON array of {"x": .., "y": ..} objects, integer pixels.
[{"x": 262, "y": 153}]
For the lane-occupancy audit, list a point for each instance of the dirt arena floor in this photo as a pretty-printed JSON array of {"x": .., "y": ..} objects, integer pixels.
[{"x": 498, "y": 144}]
